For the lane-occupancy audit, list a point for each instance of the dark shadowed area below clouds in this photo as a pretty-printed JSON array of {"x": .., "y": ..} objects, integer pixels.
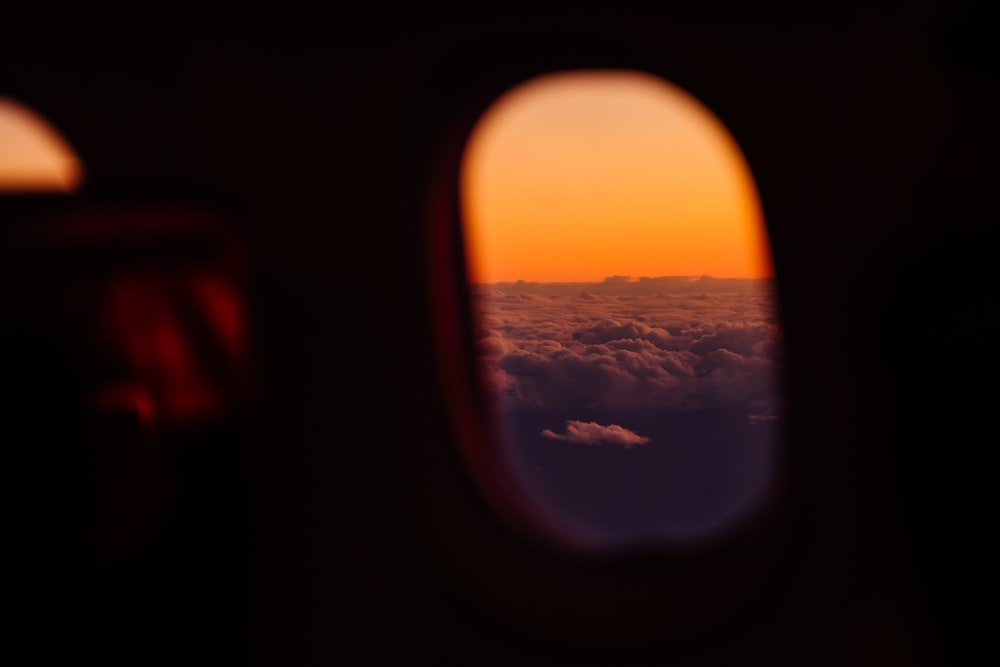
[{"x": 636, "y": 412}]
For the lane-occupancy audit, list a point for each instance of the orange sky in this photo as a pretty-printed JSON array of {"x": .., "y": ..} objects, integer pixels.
[
  {"x": 33, "y": 156},
  {"x": 581, "y": 175}
]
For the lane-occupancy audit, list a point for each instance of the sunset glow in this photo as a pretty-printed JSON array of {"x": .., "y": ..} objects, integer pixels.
[
  {"x": 33, "y": 156},
  {"x": 577, "y": 176}
]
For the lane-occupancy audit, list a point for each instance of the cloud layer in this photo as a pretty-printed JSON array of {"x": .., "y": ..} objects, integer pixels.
[
  {"x": 592, "y": 433},
  {"x": 671, "y": 342}
]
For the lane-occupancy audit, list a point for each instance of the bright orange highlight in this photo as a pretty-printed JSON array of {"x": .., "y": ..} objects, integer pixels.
[
  {"x": 576, "y": 176},
  {"x": 33, "y": 156}
]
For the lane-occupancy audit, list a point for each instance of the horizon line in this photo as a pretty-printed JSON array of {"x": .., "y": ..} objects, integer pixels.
[{"x": 618, "y": 279}]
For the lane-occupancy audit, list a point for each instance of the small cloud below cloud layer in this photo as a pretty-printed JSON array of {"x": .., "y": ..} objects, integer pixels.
[{"x": 592, "y": 433}]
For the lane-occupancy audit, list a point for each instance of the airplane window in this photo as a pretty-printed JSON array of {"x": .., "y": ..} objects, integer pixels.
[
  {"x": 624, "y": 313},
  {"x": 33, "y": 156}
]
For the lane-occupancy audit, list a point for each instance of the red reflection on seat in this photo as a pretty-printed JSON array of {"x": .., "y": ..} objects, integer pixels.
[
  {"x": 156, "y": 290},
  {"x": 178, "y": 338},
  {"x": 221, "y": 305}
]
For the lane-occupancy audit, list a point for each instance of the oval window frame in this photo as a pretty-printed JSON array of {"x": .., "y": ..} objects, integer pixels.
[
  {"x": 537, "y": 590},
  {"x": 470, "y": 412}
]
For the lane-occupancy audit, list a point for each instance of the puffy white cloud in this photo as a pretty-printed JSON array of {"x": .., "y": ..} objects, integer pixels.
[{"x": 592, "y": 433}]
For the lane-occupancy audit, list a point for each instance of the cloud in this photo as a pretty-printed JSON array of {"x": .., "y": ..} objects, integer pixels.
[
  {"x": 682, "y": 352},
  {"x": 613, "y": 331},
  {"x": 592, "y": 433}
]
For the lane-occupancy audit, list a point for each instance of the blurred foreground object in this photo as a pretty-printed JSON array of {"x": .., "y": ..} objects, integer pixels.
[{"x": 126, "y": 366}]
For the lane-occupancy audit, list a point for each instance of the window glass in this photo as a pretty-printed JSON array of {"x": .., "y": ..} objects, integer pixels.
[
  {"x": 33, "y": 156},
  {"x": 625, "y": 310}
]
